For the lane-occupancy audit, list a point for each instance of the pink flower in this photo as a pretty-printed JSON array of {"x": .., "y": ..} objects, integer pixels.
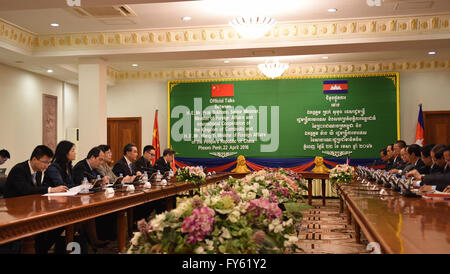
[
  {"x": 199, "y": 224},
  {"x": 264, "y": 206}
]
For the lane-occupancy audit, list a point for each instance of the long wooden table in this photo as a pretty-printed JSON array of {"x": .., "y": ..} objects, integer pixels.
[
  {"x": 309, "y": 176},
  {"x": 398, "y": 224},
  {"x": 26, "y": 216}
]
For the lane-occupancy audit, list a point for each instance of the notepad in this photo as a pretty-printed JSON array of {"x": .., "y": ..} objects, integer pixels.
[{"x": 71, "y": 192}]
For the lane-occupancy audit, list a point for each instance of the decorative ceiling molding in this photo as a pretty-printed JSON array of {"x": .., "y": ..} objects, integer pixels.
[
  {"x": 294, "y": 70},
  {"x": 213, "y": 36}
]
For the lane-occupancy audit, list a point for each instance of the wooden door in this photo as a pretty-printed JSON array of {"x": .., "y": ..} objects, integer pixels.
[
  {"x": 437, "y": 127},
  {"x": 122, "y": 131}
]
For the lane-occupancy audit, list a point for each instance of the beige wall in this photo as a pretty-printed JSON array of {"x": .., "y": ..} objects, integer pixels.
[
  {"x": 432, "y": 89},
  {"x": 21, "y": 111},
  {"x": 141, "y": 99}
]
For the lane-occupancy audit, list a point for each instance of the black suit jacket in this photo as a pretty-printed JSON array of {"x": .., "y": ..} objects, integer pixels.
[
  {"x": 55, "y": 176},
  {"x": 121, "y": 167},
  {"x": 435, "y": 169},
  {"x": 421, "y": 167},
  {"x": 398, "y": 163},
  {"x": 162, "y": 166},
  {"x": 440, "y": 180},
  {"x": 143, "y": 165},
  {"x": 20, "y": 182},
  {"x": 81, "y": 170}
]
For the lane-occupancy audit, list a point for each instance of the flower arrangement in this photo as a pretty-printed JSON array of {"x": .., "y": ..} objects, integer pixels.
[
  {"x": 238, "y": 216},
  {"x": 342, "y": 173},
  {"x": 191, "y": 174}
]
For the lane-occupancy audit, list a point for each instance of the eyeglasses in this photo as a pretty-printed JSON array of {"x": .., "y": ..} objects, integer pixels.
[
  {"x": 153, "y": 154},
  {"x": 45, "y": 163}
]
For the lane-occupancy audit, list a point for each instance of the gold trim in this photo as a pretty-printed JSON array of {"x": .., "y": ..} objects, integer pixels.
[
  {"x": 295, "y": 70},
  {"x": 201, "y": 36}
]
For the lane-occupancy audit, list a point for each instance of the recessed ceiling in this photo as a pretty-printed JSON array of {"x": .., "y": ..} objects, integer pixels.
[{"x": 162, "y": 14}]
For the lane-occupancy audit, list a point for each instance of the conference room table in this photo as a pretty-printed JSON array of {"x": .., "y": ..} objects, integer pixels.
[
  {"x": 398, "y": 224},
  {"x": 25, "y": 216}
]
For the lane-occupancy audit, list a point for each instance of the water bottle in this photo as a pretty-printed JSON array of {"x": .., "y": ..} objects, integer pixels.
[
  {"x": 85, "y": 185},
  {"x": 144, "y": 178},
  {"x": 158, "y": 176}
]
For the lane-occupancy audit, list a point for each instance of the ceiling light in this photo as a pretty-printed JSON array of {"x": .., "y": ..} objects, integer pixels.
[
  {"x": 49, "y": 71},
  {"x": 273, "y": 69},
  {"x": 54, "y": 25},
  {"x": 134, "y": 65},
  {"x": 332, "y": 10},
  {"x": 431, "y": 52},
  {"x": 226, "y": 61},
  {"x": 325, "y": 57},
  {"x": 186, "y": 18},
  {"x": 252, "y": 27}
]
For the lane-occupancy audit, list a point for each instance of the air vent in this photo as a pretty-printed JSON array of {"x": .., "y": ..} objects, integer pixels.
[
  {"x": 104, "y": 12},
  {"x": 412, "y": 5}
]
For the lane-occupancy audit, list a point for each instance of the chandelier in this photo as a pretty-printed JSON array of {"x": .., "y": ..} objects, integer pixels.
[
  {"x": 252, "y": 27},
  {"x": 273, "y": 69}
]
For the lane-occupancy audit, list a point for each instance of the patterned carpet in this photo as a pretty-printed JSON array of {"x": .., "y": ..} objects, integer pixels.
[{"x": 325, "y": 231}]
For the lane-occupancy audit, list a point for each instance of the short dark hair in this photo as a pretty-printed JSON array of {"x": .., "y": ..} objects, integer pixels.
[
  {"x": 5, "y": 154},
  {"x": 104, "y": 148},
  {"x": 168, "y": 151},
  {"x": 426, "y": 150},
  {"x": 128, "y": 147},
  {"x": 390, "y": 145},
  {"x": 41, "y": 151},
  {"x": 401, "y": 143},
  {"x": 95, "y": 151},
  {"x": 447, "y": 148},
  {"x": 414, "y": 149},
  {"x": 384, "y": 151},
  {"x": 148, "y": 148},
  {"x": 438, "y": 151}
]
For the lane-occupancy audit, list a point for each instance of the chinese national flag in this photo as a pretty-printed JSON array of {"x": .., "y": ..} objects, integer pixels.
[
  {"x": 222, "y": 90},
  {"x": 155, "y": 141}
]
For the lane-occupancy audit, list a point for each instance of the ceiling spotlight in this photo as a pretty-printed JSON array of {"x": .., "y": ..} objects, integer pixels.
[
  {"x": 186, "y": 18},
  {"x": 431, "y": 52},
  {"x": 134, "y": 65},
  {"x": 324, "y": 57},
  {"x": 226, "y": 61},
  {"x": 54, "y": 25},
  {"x": 332, "y": 10},
  {"x": 49, "y": 71}
]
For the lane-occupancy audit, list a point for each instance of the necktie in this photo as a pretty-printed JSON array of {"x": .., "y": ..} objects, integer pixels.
[
  {"x": 34, "y": 178},
  {"x": 131, "y": 170}
]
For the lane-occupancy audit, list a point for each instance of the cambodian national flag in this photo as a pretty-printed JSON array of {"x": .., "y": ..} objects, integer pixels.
[
  {"x": 420, "y": 139},
  {"x": 338, "y": 86}
]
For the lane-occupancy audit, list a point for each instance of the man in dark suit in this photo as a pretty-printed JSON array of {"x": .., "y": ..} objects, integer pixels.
[
  {"x": 163, "y": 164},
  {"x": 145, "y": 162},
  {"x": 125, "y": 165},
  {"x": 86, "y": 167},
  {"x": 426, "y": 158},
  {"x": 437, "y": 155},
  {"x": 414, "y": 159},
  {"x": 389, "y": 157},
  {"x": 398, "y": 163},
  {"x": 26, "y": 178}
]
